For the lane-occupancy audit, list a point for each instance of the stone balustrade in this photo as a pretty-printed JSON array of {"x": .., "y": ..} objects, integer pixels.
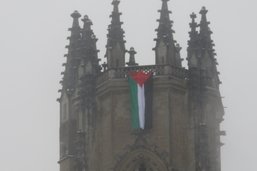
[{"x": 158, "y": 70}]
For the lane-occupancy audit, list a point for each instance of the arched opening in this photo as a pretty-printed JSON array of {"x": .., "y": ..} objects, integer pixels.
[
  {"x": 141, "y": 160},
  {"x": 141, "y": 167}
]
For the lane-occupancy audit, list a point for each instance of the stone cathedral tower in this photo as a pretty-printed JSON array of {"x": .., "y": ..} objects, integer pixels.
[{"x": 95, "y": 108}]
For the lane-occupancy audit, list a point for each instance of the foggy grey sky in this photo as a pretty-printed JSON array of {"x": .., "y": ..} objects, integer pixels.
[{"x": 32, "y": 40}]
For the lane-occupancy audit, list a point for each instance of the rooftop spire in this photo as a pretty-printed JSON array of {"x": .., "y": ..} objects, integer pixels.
[
  {"x": 87, "y": 26},
  {"x": 115, "y": 4},
  {"x": 164, "y": 30},
  {"x": 166, "y": 52},
  {"x": 116, "y": 33},
  {"x": 75, "y": 29},
  {"x": 193, "y": 34},
  {"x": 193, "y": 44},
  {"x": 88, "y": 36},
  {"x": 205, "y": 32},
  {"x": 208, "y": 60},
  {"x": 89, "y": 50},
  {"x": 115, "y": 52},
  {"x": 70, "y": 77}
]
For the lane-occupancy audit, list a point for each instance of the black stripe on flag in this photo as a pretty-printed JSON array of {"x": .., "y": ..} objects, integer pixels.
[{"x": 148, "y": 102}]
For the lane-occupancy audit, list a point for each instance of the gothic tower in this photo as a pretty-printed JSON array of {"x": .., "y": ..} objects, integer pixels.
[{"x": 160, "y": 117}]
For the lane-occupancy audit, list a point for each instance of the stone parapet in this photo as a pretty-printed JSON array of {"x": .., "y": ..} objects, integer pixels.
[{"x": 122, "y": 72}]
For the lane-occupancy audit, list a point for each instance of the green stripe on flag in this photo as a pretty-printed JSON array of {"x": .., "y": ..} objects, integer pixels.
[{"x": 134, "y": 103}]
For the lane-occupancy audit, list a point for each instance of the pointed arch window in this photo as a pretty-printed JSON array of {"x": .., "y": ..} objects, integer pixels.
[
  {"x": 143, "y": 167},
  {"x": 141, "y": 160}
]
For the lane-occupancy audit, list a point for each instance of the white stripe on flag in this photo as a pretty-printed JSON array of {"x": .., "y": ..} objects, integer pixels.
[{"x": 141, "y": 105}]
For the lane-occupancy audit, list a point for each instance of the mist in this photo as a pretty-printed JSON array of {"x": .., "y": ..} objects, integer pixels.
[{"x": 32, "y": 45}]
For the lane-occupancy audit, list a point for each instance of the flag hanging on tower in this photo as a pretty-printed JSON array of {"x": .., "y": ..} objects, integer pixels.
[{"x": 141, "y": 86}]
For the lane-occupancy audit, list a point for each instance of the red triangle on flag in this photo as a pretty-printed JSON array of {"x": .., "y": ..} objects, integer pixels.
[{"x": 140, "y": 77}]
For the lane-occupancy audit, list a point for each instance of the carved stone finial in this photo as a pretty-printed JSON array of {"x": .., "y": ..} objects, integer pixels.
[
  {"x": 75, "y": 14},
  {"x": 104, "y": 65},
  {"x": 203, "y": 11},
  {"x": 193, "y": 24},
  {"x": 87, "y": 22},
  {"x": 178, "y": 47},
  {"x": 132, "y": 61},
  {"x": 193, "y": 16}
]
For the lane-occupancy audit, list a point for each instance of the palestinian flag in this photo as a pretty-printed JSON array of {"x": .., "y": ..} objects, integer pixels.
[{"x": 141, "y": 86}]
